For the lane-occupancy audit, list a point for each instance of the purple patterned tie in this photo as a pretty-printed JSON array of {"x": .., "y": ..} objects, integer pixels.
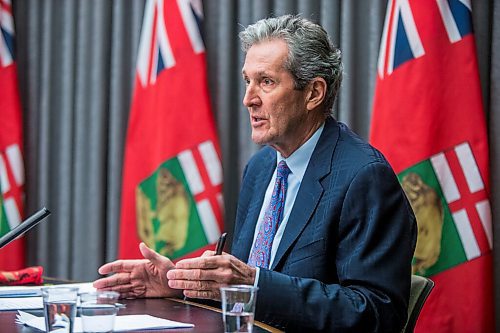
[{"x": 261, "y": 250}]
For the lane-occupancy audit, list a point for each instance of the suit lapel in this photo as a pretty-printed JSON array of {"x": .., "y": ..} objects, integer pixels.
[
  {"x": 257, "y": 193},
  {"x": 310, "y": 190}
]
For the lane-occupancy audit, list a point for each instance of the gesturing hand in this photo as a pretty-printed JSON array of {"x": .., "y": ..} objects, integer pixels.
[
  {"x": 203, "y": 276},
  {"x": 138, "y": 278}
]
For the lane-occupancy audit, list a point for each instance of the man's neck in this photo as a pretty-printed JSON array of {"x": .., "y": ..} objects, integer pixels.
[{"x": 305, "y": 134}]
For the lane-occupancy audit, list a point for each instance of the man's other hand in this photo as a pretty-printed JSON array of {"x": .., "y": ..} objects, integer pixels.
[
  {"x": 203, "y": 276},
  {"x": 138, "y": 278}
]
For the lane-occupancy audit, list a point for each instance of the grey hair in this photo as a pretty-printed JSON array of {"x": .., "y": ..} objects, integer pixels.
[{"x": 311, "y": 53}]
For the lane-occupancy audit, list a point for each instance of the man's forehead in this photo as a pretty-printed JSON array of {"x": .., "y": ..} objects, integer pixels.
[
  {"x": 267, "y": 48},
  {"x": 265, "y": 58}
]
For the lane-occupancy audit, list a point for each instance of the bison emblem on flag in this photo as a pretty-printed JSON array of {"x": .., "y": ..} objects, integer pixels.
[
  {"x": 177, "y": 205},
  {"x": 453, "y": 213}
]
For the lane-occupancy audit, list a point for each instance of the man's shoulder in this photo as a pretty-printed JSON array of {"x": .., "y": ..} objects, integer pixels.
[{"x": 352, "y": 146}]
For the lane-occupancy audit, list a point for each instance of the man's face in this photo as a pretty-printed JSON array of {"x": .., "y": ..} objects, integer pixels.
[{"x": 277, "y": 111}]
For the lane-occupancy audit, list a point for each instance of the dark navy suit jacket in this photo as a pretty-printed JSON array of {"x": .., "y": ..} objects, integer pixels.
[{"x": 344, "y": 262}]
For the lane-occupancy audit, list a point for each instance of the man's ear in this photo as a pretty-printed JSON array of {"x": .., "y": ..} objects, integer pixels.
[{"x": 316, "y": 93}]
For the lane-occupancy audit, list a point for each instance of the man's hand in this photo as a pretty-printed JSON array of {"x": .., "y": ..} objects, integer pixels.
[
  {"x": 138, "y": 278},
  {"x": 202, "y": 277}
]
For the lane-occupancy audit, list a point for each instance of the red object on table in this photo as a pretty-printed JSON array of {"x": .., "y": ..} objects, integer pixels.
[{"x": 29, "y": 275}]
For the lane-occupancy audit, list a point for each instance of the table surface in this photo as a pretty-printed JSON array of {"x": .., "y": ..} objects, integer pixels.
[{"x": 206, "y": 319}]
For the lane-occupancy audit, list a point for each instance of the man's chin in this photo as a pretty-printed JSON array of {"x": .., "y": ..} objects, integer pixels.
[{"x": 259, "y": 139}]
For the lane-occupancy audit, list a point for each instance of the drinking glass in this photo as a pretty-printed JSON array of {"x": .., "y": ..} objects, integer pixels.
[
  {"x": 238, "y": 307},
  {"x": 59, "y": 308},
  {"x": 98, "y": 311}
]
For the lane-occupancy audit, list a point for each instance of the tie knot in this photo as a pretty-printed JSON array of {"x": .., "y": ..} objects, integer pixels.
[{"x": 283, "y": 170}]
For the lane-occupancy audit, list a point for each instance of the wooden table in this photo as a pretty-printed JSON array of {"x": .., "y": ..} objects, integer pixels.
[{"x": 206, "y": 319}]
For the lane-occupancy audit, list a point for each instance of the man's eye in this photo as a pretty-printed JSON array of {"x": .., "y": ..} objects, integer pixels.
[
  {"x": 267, "y": 82},
  {"x": 247, "y": 81}
]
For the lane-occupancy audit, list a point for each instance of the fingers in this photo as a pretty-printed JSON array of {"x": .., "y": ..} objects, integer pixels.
[
  {"x": 127, "y": 291},
  {"x": 122, "y": 283},
  {"x": 193, "y": 285},
  {"x": 202, "y": 277},
  {"x": 156, "y": 259},
  {"x": 112, "y": 281},
  {"x": 197, "y": 289},
  {"x": 224, "y": 269},
  {"x": 147, "y": 252},
  {"x": 107, "y": 268},
  {"x": 209, "y": 262},
  {"x": 121, "y": 289},
  {"x": 208, "y": 253},
  {"x": 120, "y": 266},
  {"x": 204, "y": 294}
]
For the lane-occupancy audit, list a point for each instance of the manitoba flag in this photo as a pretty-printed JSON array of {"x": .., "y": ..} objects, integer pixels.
[
  {"x": 172, "y": 181},
  {"x": 428, "y": 120},
  {"x": 11, "y": 159}
]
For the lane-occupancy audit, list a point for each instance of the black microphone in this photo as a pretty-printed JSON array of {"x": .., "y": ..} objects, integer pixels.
[{"x": 24, "y": 226}]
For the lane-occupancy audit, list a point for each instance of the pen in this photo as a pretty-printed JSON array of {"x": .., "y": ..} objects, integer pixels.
[{"x": 220, "y": 244}]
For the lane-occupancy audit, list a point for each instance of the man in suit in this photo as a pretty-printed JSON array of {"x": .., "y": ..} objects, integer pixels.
[{"x": 323, "y": 227}]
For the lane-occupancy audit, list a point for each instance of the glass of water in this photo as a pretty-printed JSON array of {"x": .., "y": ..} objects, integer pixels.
[
  {"x": 98, "y": 311},
  {"x": 59, "y": 308},
  {"x": 238, "y": 307}
]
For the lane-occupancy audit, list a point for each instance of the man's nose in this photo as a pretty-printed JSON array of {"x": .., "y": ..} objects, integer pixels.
[{"x": 251, "y": 97}]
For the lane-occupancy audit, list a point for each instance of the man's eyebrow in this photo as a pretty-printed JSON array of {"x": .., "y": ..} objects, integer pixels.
[{"x": 259, "y": 74}]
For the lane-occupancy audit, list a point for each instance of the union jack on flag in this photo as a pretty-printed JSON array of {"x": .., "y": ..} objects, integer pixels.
[
  {"x": 401, "y": 40},
  {"x": 155, "y": 50},
  {"x": 7, "y": 34}
]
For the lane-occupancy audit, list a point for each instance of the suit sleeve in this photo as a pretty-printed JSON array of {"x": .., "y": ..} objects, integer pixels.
[{"x": 375, "y": 243}]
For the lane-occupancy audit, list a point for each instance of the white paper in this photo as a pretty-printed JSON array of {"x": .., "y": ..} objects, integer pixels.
[
  {"x": 17, "y": 298},
  {"x": 22, "y": 303},
  {"x": 30, "y": 291},
  {"x": 122, "y": 323},
  {"x": 20, "y": 291}
]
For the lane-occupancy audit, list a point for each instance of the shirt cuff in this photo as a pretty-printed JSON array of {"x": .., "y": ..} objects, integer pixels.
[{"x": 257, "y": 273}]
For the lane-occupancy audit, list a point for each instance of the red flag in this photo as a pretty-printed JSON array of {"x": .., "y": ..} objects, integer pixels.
[
  {"x": 172, "y": 182},
  {"x": 428, "y": 120},
  {"x": 11, "y": 160}
]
